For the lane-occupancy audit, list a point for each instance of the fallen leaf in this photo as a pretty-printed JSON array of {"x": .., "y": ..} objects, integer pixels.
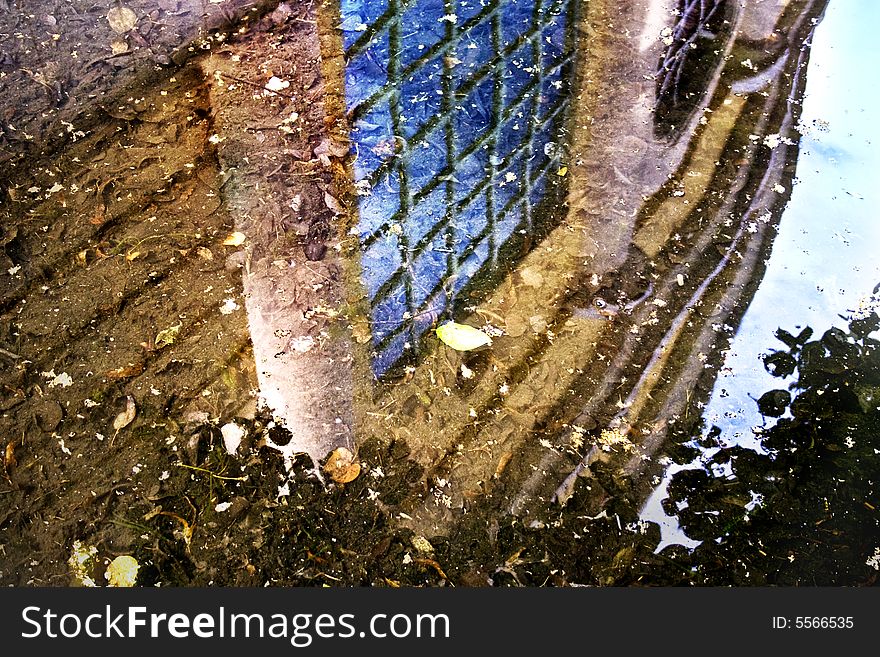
[
  {"x": 341, "y": 466},
  {"x": 99, "y": 216},
  {"x": 126, "y": 371},
  {"x": 462, "y": 337},
  {"x": 361, "y": 332},
  {"x": 329, "y": 147},
  {"x": 121, "y": 19},
  {"x": 118, "y": 46},
  {"x": 122, "y": 571},
  {"x": 166, "y": 336},
  {"x": 234, "y": 239},
  {"x": 232, "y": 434},
  {"x": 334, "y": 205},
  {"x": 531, "y": 277},
  {"x": 125, "y": 417},
  {"x": 9, "y": 454}
]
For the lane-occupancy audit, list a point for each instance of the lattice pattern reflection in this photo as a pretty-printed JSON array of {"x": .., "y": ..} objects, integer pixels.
[{"x": 456, "y": 109}]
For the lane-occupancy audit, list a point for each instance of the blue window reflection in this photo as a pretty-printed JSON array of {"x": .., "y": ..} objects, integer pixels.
[{"x": 458, "y": 111}]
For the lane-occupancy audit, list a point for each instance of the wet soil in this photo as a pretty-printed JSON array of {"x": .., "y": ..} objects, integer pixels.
[{"x": 127, "y": 351}]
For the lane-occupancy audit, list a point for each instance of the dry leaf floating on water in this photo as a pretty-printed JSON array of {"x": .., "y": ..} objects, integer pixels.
[{"x": 462, "y": 337}]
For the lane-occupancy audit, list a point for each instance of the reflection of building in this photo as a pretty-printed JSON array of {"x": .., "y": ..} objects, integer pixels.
[
  {"x": 456, "y": 111},
  {"x": 670, "y": 235}
]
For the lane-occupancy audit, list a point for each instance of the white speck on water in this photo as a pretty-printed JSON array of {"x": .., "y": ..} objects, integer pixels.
[{"x": 229, "y": 306}]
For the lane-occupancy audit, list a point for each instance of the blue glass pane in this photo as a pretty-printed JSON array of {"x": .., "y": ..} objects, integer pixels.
[
  {"x": 469, "y": 224},
  {"x": 379, "y": 262},
  {"x": 518, "y": 72},
  {"x": 426, "y": 214},
  {"x": 516, "y": 18},
  {"x": 473, "y": 117},
  {"x": 388, "y": 313},
  {"x": 508, "y": 183},
  {"x": 553, "y": 37},
  {"x": 553, "y": 91},
  {"x": 514, "y": 131},
  {"x": 367, "y": 72},
  {"x": 471, "y": 173},
  {"x": 425, "y": 159},
  {"x": 382, "y": 204},
  {"x": 373, "y": 138},
  {"x": 423, "y": 25},
  {"x": 429, "y": 268},
  {"x": 421, "y": 97},
  {"x": 474, "y": 49},
  {"x": 467, "y": 9}
]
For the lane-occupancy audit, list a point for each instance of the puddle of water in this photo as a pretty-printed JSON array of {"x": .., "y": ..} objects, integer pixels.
[
  {"x": 604, "y": 290},
  {"x": 597, "y": 187},
  {"x": 823, "y": 264}
]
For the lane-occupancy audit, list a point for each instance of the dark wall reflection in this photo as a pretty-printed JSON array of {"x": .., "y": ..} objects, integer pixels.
[
  {"x": 693, "y": 51},
  {"x": 457, "y": 111}
]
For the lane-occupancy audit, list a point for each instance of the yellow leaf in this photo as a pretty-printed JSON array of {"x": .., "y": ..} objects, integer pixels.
[
  {"x": 235, "y": 239},
  {"x": 462, "y": 337},
  {"x": 562, "y": 171},
  {"x": 167, "y": 336},
  {"x": 123, "y": 571}
]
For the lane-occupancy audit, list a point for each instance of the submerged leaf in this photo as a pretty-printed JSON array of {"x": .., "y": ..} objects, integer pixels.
[
  {"x": 342, "y": 466},
  {"x": 125, "y": 417},
  {"x": 235, "y": 239},
  {"x": 462, "y": 337},
  {"x": 780, "y": 363},
  {"x": 167, "y": 336},
  {"x": 122, "y": 571},
  {"x": 122, "y": 19},
  {"x": 774, "y": 403}
]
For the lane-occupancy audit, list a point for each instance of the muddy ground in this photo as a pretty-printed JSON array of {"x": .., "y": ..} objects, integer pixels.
[{"x": 125, "y": 347}]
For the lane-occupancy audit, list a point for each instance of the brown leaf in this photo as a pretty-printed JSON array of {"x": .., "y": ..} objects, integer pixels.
[
  {"x": 235, "y": 239},
  {"x": 121, "y": 19},
  {"x": 361, "y": 332},
  {"x": 99, "y": 216},
  {"x": 127, "y": 371},
  {"x": 9, "y": 454},
  {"x": 341, "y": 466},
  {"x": 332, "y": 203}
]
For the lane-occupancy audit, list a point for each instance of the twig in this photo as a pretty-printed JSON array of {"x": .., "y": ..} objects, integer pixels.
[
  {"x": 213, "y": 474},
  {"x": 9, "y": 354},
  {"x": 254, "y": 84}
]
